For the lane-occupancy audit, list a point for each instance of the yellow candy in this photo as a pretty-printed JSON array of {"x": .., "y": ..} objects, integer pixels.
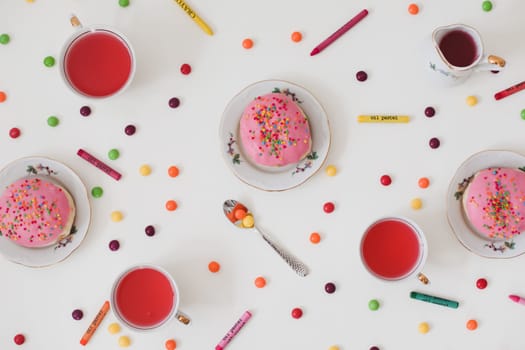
[
  {"x": 416, "y": 203},
  {"x": 248, "y": 221},
  {"x": 145, "y": 170},
  {"x": 331, "y": 170},
  {"x": 124, "y": 341},
  {"x": 114, "y": 328},
  {"x": 116, "y": 216},
  {"x": 423, "y": 328},
  {"x": 333, "y": 347},
  {"x": 472, "y": 101}
]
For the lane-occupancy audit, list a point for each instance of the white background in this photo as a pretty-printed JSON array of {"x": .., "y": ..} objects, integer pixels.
[{"x": 390, "y": 46}]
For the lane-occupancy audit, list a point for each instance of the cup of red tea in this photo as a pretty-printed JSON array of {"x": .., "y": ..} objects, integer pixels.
[
  {"x": 97, "y": 61},
  {"x": 146, "y": 297},
  {"x": 393, "y": 248},
  {"x": 457, "y": 51}
]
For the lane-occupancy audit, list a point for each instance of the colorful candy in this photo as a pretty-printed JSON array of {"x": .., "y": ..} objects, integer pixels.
[
  {"x": 248, "y": 221},
  {"x": 170, "y": 344},
  {"x": 49, "y": 61},
  {"x": 4, "y": 39},
  {"x": 430, "y": 111},
  {"x": 149, "y": 230},
  {"x": 297, "y": 312},
  {"x": 239, "y": 213},
  {"x": 416, "y": 203},
  {"x": 434, "y": 142},
  {"x": 173, "y": 171},
  {"x": 145, "y": 170},
  {"x": 260, "y": 282},
  {"x": 114, "y": 245},
  {"x": 329, "y": 287},
  {"x": 114, "y": 328},
  {"x": 3, "y": 96},
  {"x": 472, "y": 101},
  {"x": 522, "y": 114},
  {"x": 52, "y": 121},
  {"x": 77, "y": 314},
  {"x": 385, "y": 180},
  {"x": 123, "y": 3},
  {"x": 423, "y": 328},
  {"x": 19, "y": 339},
  {"x": 328, "y": 207},
  {"x": 373, "y": 304},
  {"x": 486, "y": 6},
  {"x": 331, "y": 170},
  {"x": 174, "y": 102},
  {"x": 472, "y": 325},
  {"x": 130, "y": 129},
  {"x": 333, "y": 347},
  {"x": 116, "y": 216},
  {"x": 422, "y": 278},
  {"x": 85, "y": 111},
  {"x": 124, "y": 341},
  {"x": 481, "y": 283},
  {"x": 361, "y": 76},
  {"x": 214, "y": 266},
  {"x": 247, "y": 43},
  {"x": 171, "y": 205},
  {"x": 113, "y": 154},
  {"x": 185, "y": 69},
  {"x": 413, "y": 9},
  {"x": 315, "y": 237},
  {"x": 374, "y": 348},
  {"x": 14, "y": 133},
  {"x": 423, "y": 182},
  {"x": 296, "y": 37}
]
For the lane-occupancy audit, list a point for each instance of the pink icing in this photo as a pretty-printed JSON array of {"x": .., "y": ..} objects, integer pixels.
[
  {"x": 495, "y": 202},
  {"x": 274, "y": 131},
  {"x": 34, "y": 212}
]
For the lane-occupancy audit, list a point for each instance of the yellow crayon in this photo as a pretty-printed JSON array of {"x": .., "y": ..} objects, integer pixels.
[
  {"x": 384, "y": 118},
  {"x": 195, "y": 17}
]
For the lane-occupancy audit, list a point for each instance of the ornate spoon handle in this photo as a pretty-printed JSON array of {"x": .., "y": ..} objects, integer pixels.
[{"x": 292, "y": 261}]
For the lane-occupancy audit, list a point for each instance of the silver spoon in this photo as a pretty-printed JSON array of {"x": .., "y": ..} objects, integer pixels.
[{"x": 241, "y": 217}]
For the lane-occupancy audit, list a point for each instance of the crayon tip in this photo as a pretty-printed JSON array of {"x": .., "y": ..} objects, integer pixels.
[
  {"x": 315, "y": 52},
  {"x": 514, "y": 298}
]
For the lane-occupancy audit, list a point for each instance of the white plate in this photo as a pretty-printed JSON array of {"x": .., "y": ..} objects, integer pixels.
[
  {"x": 278, "y": 179},
  {"x": 464, "y": 233},
  {"x": 44, "y": 167}
]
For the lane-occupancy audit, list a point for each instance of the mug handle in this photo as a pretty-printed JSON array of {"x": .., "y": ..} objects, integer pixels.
[
  {"x": 494, "y": 63},
  {"x": 182, "y": 317}
]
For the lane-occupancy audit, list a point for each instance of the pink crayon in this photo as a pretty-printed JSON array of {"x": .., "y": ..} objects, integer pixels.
[
  {"x": 99, "y": 164},
  {"x": 517, "y": 299},
  {"x": 234, "y": 330}
]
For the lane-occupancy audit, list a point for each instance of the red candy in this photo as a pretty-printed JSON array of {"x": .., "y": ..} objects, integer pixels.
[
  {"x": 328, "y": 207},
  {"x": 297, "y": 313},
  {"x": 481, "y": 283},
  {"x": 185, "y": 69},
  {"x": 19, "y": 339},
  {"x": 14, "y": 133},
  {"x": 385, "y": 180}
]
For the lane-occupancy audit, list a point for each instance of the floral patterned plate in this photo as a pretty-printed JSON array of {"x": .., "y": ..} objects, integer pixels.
[
  {"x": 278, "y": 179},
  {"x": 484, "y": 247},
  {"x": 58, "y": 172}
]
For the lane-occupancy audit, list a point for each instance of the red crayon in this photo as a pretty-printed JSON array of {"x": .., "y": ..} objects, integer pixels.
[
  {"x": 99, "y": 164},
  {"x": 517, "y": 299},
  {"x": 509, "y": 91}
]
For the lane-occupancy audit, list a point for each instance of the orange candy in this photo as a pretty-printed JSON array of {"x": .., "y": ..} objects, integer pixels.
[
  {"x": 170, "y": 344},
  {"x": 3, "y": 96},
  {"x": 315, "y": 237},
  {"x": 171, "y": 205},
  {"x": 247, "y": 43},
  {"x": 296, "y": 37},
  {"x": 260, "y": 282},
  {"x": 214, "y": 266},
  {"x": 413, "y": 9},
  {"x": 239, "y": 214},
  {"x": 423, "y": 182},
  {"x": 472, "y": 325},
  {"x": 173, "y": 171}
]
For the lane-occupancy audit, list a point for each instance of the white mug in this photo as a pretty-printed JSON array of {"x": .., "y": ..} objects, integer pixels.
[{"x": 456, "y": 52}]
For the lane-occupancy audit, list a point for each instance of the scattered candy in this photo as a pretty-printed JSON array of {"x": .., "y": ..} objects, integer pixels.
[
  {"x": 481, "y": 283},
  {"x": 113, "y": 154},
  {"x": 416, "y": 203},
  {"x": 331, "y": 170},
  {"x": 486, "y": 6},
  {"x": 114, "y": 245},
  {"x": 114, "y": 328},
  {"x": 214, "y": 266},
  {"x": 374, "y": 348},
  {"x": 247, "y": 43},
  {"x": 472, "y": 325},
  {"x": 52, "y": 121},
  {"x": 49, "y": 61},
  {"x": 423, "y": 327},
  {"x": 14, "y": 133},
  {"x": 422, "y": 278},
  {"x": 430, "y": 112},
  {"x": 328, "y": 207},
  {"x": 173, "y": 171},
  {"x": 333, "y": 347},
  {"x": 260, "y": 282},
  {"x": 361, "y": 75},
  {"x": 413, "y": 9},
  {"x": 145, "y": 170},
  {"x": 3, "y": 96},
  {"x": 315, "y": 237},
  {"x": 85, "y": 111},
  {"x": 116, "y": 216},
  {"x": 97, "y": 192},
  {"x": 185, "y": 69},
  {"x": 297, "y": 313},
  {"x": 19, "y": 339},
  {"x": 296, "y": 37},
  {"x": 373, "y": 304},
  {"x": 434, "y": 142},
  {"x": 423, "y": 182},
  {"x": 522, "y": 114},
  {"x": 174, "y": 102},
  {"x": 149, "y": 230},
  {"x": 130, "y": 130},
  {"x": 124, "y": 341},
  {"x": 385, "y": 180},
  {"x": 248, "y": 221},
  {"x": 170, "y": 344},
  {"x": 77, "y": 314},
  {"x": 123, "y": 3},
  {"x": 472, "y": 100},
  {"x": 4, "y": 39},
  {"x": 171, "y": 205},
  {"x": 329, "y": 287}
]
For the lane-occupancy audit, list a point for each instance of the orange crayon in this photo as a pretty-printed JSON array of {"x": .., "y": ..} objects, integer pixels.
[{"x": 95, "y": 323}]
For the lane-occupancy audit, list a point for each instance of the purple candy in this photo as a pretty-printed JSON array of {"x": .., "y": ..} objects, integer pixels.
[
  {"x": 130, "y": 129},
  {"x": 85, "y": 111},
  {"x": 430, "y": 112},
  {"x": 434, "y": 142},
  {"x": 174, "y": 102},
  {"x": 77, "y": 314},
  {"x": 150, "y": 230},
  {"x": 114, "y": 245},
  {"x": 361, "y": 75},
  {"x": 329, "y": 287}
]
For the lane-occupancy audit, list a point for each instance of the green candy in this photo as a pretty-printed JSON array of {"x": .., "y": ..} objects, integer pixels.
[
  {"x": 4, "y": 39},
  {"x": 123, "y": 3},
  {"x": 486, "y": 5},
  {"x": 523, "y": 114},
  {"x": 52, "y": 121},
  {"x": 97, "y": 192},
  {"x": 373, "y": 304},
  {"x": 49, "y": 61},
  {"x": 113, "y": 154}
]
